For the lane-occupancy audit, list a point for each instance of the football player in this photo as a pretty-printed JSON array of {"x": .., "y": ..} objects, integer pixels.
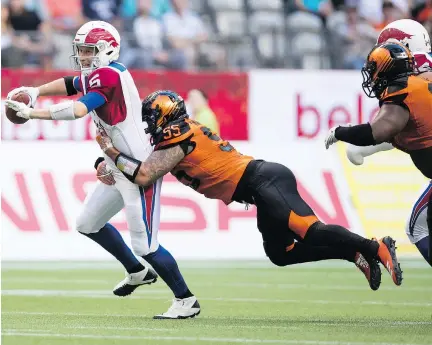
[
  {"x": 415, "y": 36},
  {"x": 200, "y": 159},
  {"x": 405, "y": 97},
  {"x": 112, "y": 99}
]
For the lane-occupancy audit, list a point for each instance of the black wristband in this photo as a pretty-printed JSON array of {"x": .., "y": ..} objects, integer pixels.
[
  {"x": 98, "y": 161},
  {"x": 128, "y": 166},
  {"x": 360, "y": 135},
  {"x": 70, "y": 88}
]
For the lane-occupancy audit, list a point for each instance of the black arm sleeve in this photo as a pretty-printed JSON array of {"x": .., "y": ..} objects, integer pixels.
[
  {"x": 70, "y": 86},
  {"x": 360, "y": 135}
]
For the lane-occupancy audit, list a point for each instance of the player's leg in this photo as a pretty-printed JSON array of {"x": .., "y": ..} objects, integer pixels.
[
  {"x": 142, "y": 206},
  {"x": 99, "y": 207},
  {"x": 418, "y": 227},
  {"x": 281, "y": 196},
  {"x": 282, "y": 249}
]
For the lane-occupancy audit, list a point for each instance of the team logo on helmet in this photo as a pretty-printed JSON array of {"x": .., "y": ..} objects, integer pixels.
[{"x": 394, "y": 33}]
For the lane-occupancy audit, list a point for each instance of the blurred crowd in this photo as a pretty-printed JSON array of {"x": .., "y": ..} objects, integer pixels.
[{"x": 206, "y": 34}]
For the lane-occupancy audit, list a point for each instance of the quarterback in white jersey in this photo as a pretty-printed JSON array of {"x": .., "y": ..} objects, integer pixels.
[
  {"x": 416, "y": 38},
  {"x": 111, "y": 97}
]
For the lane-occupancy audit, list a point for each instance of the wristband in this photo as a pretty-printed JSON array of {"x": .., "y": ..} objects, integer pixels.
[
  {"x": 128, "y": 166},
  {"x": 360, "y": 135}
]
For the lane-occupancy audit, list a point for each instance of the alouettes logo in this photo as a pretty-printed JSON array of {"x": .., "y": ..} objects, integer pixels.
[{"x": 397, "y": 34}]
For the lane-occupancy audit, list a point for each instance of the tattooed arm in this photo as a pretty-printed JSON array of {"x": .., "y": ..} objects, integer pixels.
[{"x": 158, "y": 164}]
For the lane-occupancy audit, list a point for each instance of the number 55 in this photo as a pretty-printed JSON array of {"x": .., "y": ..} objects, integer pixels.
[{"x": 173, "y": 131}]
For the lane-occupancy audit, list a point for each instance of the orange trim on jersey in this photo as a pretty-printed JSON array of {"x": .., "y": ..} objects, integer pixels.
[{"x": 300, "y": 224}]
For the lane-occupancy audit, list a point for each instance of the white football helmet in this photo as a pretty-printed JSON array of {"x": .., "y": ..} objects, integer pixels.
[
  {"x": 409, "y": 32},
  {"x": 414, "y": 36},
  {"x": 100, "y": 36}
]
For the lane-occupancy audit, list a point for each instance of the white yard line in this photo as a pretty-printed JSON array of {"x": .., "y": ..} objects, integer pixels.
[
  {"x": 262, "y": 264},
  {"x": 105, "y": 294},
  {"x": 375, "y": 323},
  {"x": 288, "y": 327},
  {"x": 17, "y": 332},
  {"x": 77, "y": 293},
  {"x": 281, "y": 286}
]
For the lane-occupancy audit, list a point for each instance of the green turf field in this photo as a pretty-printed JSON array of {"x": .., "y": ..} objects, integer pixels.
[{"x": 242, "y": 303}]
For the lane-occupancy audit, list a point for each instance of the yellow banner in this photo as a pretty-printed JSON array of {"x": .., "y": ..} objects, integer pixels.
[{"x": 383, "y": 191}]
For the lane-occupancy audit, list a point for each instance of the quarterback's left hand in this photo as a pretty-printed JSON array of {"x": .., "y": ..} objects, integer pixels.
[
  {"x": 331, "y": 138},
  {"x": 21, "y": 109},
  {"x": 103, "y": 139},
  {"x": 105, "y": 174}
]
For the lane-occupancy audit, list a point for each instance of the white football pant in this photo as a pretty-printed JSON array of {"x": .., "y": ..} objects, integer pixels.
[
  {"x": 416, "y": 227},
  {"x": 142, "y": 208}
]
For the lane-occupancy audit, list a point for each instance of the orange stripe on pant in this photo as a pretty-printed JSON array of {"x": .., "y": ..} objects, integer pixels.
[
  {"x": 300, "y": 224},
  {"x": 290, "y": 247}
]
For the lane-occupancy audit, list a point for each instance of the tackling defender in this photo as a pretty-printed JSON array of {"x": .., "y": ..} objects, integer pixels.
[
  {"x": 112, "y": 99},
  {"x": 415, "y": 37},
  {"x": 200, "y": 159}
]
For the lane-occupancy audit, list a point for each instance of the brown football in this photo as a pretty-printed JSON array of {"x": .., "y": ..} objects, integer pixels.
[{"x": 12, "y": 114}]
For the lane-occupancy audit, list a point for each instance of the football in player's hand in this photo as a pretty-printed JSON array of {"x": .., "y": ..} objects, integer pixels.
[{"x": 12, "y": 114}]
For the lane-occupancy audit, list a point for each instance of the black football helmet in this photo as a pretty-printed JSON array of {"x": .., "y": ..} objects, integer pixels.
[
  {"x": 386, "y": 62},
  {"x": 160, "y": 108}
]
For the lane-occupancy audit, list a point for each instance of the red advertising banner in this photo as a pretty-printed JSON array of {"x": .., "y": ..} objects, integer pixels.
[{"x": 227, "y": 94}]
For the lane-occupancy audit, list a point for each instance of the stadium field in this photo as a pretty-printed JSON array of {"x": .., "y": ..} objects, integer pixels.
[{"x": 243, "y": 302}]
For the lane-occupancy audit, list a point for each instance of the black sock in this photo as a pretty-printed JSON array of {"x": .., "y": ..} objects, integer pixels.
[
  {"x": 186, "y": 294},
  {"x": 166, "y": 266},
  {"x": 136, "y": 268},
  {"x": 336, "y": 236},
  {"x": 110, "y": 239}
]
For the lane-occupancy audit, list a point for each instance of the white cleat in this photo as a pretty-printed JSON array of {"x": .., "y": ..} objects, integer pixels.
[
  {"x": 181, "y": 309},
  {"x": 132, "y": 281}
]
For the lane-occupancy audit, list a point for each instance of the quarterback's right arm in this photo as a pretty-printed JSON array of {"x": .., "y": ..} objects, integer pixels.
[
  {"x": 356, "y": 154},
  {"x": 101, "y": 89},
  {"x": 68, "y": 110},
  {"x": 66, "y": 86}
]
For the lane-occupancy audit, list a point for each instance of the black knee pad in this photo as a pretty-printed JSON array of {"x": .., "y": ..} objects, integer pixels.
[{"x": 276, "y": 253}]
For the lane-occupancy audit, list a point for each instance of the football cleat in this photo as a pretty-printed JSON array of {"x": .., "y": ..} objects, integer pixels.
[
  {"x": 387, "y": 256},
  {"x": 133, "y": 280},
  {"x": 181, "y": 309},
  {"x": 370, "y": 269}
]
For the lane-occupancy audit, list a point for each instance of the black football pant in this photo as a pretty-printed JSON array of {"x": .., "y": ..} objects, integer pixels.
[{"x": 291, "y": 232}]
